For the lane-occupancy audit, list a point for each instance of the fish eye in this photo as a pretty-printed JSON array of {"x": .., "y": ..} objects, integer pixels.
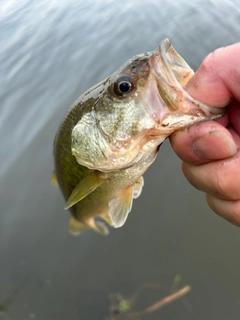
[{"x": 123, "y": 85}]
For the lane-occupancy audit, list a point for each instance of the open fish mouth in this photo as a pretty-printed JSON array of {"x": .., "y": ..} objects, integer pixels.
[{"x": 172, "y": 74}]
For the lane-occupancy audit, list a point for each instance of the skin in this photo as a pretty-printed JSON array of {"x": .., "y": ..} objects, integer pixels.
[{"x": 211, "y": 150}]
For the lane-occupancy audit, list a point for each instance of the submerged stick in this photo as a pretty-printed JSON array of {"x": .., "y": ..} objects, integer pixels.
[{"x": 161, "y": 303}]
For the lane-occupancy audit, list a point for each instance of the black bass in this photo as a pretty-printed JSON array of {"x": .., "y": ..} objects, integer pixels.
[{"x": 113, "y": 132}]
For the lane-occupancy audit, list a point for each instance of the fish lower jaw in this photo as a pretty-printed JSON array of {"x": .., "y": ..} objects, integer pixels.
[
  {"x": 174, "y": 121},
  {"x": 177, "y": 121}
]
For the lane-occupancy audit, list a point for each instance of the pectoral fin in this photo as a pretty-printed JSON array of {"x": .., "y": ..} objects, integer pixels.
[
  {"x": 85, "y": 186},
  {"x": 120, "y": 207}
]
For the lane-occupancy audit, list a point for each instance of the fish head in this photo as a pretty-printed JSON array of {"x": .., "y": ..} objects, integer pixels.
[{"x": 124, "y": 119}]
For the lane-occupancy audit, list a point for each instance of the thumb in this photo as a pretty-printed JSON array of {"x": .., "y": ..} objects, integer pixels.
[{"x": 217, "y": 81}]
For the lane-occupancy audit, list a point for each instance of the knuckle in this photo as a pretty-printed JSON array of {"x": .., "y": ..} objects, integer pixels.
[
  {"x": 226, "y": 184},
  {"x": 210, "y": 65},
  {"x": 220, "y": 183},
  {"x": 233, "y": 216},
  {"x": 209, "y": 62}
]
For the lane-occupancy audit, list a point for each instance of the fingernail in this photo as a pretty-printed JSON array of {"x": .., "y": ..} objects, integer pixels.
[{"x": 214, "y": 145}]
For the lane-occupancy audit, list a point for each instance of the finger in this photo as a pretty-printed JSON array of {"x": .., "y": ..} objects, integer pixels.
[
  {"x": 220, "y": 179},
  {"x": 234, "y": 116},
  {"x": 224, "y": 121},
  {"x": 235, "y": 136},
  {"x": 203, "y": 142},
  {"x": 217, "y": 80},
  {"x": 229, "y": 210}
]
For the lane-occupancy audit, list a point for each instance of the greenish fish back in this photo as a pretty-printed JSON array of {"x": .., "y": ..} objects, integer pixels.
[{"x": 68, "y": 171}]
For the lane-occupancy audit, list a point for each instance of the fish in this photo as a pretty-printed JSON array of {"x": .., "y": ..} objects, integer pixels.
[{"x": 113, "y": 133}]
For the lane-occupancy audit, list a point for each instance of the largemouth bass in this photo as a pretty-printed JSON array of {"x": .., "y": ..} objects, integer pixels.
[{"x": 113, "y": 132}]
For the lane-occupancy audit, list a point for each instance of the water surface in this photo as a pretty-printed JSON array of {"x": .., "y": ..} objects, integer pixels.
[{"x": 51, "y": 52}]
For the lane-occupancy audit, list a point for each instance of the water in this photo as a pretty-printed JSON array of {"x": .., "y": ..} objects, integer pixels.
[{"x": 51, "y": 52}]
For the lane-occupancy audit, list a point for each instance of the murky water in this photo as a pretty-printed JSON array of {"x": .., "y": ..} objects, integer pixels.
[{"x": 51, "y": 52}]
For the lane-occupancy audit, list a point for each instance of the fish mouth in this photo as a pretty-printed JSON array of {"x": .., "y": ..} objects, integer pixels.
[{"x": 177, "y": 108}]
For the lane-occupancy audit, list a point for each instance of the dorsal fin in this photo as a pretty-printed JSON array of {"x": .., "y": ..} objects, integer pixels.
[
  {"x": 120, "y": 207},
  {"x": 85, "y": 186}
]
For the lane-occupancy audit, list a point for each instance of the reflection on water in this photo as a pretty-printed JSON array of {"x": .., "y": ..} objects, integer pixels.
[{"x": 51, "y": 52}]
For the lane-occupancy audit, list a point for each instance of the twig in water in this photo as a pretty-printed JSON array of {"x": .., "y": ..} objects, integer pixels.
[{"x": 161, "y": 303}]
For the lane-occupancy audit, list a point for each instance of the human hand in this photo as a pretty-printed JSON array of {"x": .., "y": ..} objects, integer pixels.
[{"x": 211, "y": 150}]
